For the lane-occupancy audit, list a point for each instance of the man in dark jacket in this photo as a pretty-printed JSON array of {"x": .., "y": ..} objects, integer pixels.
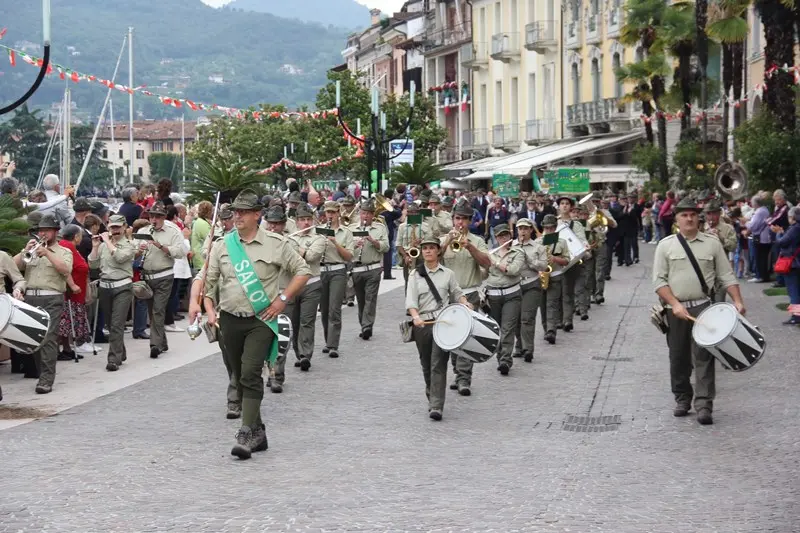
[
  {"x": 391, "y": 218},
  {"x": 83, "y": 207}
]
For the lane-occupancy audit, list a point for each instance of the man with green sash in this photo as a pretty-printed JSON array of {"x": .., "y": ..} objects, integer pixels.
[{"x": 242, "y": 284}]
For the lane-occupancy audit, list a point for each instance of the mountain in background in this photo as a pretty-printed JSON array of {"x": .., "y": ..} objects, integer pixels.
[
  {"x": 342, "y": 13},
  {"x": 182, "y": 48}
]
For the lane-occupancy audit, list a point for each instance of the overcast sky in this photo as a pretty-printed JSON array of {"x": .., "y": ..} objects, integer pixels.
[{"x": 387, "y": 6}]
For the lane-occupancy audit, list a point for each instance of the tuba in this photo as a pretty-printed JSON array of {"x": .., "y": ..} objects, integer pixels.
[{"x": 731, "y": 181}]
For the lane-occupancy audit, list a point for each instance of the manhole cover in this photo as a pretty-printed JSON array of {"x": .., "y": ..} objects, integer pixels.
[
  {"x": 592, "y": 424},
  {"x": 8, "y": 412},
  {"x": 613, "y": 359}
]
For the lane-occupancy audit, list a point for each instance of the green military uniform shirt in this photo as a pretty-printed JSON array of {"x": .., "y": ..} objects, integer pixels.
[
  {"x": 312, "y": 247},
  {"x": 290, "y": 227},
  {"x": 345, "y": 239},
  {"x": 9, "y": 270},
  {"x": 418, "y": 231},
  {"x": 114, "y": 266},
  {"x": 368, "y": 253},
  {"x": 269, "y": 254},
  {"x": 535, "y": 259},
  {"x": 41, "y": 274},
  {"x": 441, "y": 223},
  {"x": 671, "y": 266},
  {"x": 725, "y": 233},
  {"x": 170, "y": 236},
  {"x": 468, "y": 272},
  {"x": 558, "y": 249},
  {"x": 514, "y": 260},
  {"x": 419, "y": 295}
]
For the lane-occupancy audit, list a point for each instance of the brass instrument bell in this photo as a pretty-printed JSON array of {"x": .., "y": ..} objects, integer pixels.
[{"x": 194, "y": 330}]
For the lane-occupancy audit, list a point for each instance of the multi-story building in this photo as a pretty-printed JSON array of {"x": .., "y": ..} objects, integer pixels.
[
  {"x": 149, "y": 136},
  {"x": 755, "y": 63}
]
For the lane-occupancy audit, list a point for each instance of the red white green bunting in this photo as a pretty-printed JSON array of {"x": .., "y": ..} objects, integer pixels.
[{"x": 305, "y": 166}]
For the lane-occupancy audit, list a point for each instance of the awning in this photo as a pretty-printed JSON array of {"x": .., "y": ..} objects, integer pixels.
[
  {"x": 463, "y": 168},
  {"x": 454, "y": 184},
  {"x": 615, "y": 174},
  {"x": 521, "y": 163}
]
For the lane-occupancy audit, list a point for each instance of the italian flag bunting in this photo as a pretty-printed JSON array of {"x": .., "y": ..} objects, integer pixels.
[{"x": 12, "y": 58}]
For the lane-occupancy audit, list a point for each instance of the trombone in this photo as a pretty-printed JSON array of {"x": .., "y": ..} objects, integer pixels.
[
  {"x": 346, "y": 219},
  {"x": 28, "y": 256},
  {"x": 298, "y": 232}
]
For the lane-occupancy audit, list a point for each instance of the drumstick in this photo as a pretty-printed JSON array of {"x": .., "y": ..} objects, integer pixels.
[{"x": 429, "y": 322}]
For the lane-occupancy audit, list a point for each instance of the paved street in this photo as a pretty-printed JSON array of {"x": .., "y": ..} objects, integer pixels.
[{"x": 352, "y": 447}]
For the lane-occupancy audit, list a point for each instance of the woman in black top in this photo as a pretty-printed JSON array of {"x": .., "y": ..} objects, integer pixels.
[{"x": 163, "y": 190}]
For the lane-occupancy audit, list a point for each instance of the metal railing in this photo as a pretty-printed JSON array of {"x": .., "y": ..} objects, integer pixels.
[
  {"x": 447, "y": 36},
  {"x": 473, "y": 54},
  {"x": 605, "y": 110},
  {"x": 449, "y": 154},
  {"x": 505, "y": 135},
  {"x": 539, "y": 35},
  {"x": 475, "y": 138},
  {"x": 505, "y": 45},
  {"x": 541, "y": 129}
]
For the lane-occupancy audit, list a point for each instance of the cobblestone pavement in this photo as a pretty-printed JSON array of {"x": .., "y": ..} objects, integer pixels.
[{"x": 352, "y": 448}]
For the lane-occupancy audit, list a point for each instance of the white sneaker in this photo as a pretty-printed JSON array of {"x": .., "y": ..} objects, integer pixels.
[
  {"x": 173, "y": 329},
  {"x": 128, "y": 329},
  {"x": 87, "y": 348}
]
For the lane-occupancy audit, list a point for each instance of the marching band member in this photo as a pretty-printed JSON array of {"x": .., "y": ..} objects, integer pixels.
[
  {"x": 583, "y": 293},
  {"x": 558, "y": 254},
  {"x": 678, "y": 285},
  {"x": 408, "y": 237},
  {"x": 423, "y": 304},
  {"x": 223, "y": 227},
  {"x": 349, "y": 221},
  {"x": 292, "y": 202},
  {"x": 441, "y": 221},
  {"x": 569, "y": 283},
  {"x": 367, "y": 267},
  {"x": 503, "y": 293},
  {"x": 248, "y": 310},
  {"x": 531, "y": 285},
  {"x": 276, "y": 223},
  {"x": 466, "y": 265},
  {"x": 158, "y": 259},
  {"x": 113, "y": 254},
  {"x": 596, "y": 281},
  {"x": 302, "y": 309},
  {"x": 338, "y": 251},
  {"x": 720, "y": 229},
  {"x": 46, "y": 279}
]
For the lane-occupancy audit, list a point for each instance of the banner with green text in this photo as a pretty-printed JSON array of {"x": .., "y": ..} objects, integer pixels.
[{"x": 505, "y": 185}]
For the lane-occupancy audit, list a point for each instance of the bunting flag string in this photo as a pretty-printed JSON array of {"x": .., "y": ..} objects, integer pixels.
[
  {"x": 180, "y": 103},
  {"x": 285, "y": 161}
]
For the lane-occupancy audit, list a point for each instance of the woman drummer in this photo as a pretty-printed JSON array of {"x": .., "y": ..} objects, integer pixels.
[{"x": 424, "y": 305}]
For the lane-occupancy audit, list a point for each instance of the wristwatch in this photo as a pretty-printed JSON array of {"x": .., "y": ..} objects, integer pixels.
[{"x": 283, "y": 298}]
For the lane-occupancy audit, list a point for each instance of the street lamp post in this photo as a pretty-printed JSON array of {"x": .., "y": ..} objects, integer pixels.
[
  {"x": 45, "y": 61},
  {"x": 377, "y": 143}
]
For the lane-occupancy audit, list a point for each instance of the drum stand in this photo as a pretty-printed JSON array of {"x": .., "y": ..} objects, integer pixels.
[{"x": 94, "y": 324}]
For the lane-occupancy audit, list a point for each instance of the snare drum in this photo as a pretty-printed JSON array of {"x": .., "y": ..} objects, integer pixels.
[
  {"x": 284, "y": 334},
  {"x": 467, "y": 333},
  {"x": 23, "y": 327},
  {"x": 731, "y": 338}
]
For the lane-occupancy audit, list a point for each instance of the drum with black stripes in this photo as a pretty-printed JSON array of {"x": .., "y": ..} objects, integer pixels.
[
  {"x": 733, "y": 340},
  {"x": 23, "y": 327},
  {"x": 467, "y": 333},
  {"x": 284, "y": 334}
]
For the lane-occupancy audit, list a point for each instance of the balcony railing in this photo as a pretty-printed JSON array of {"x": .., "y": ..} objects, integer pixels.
[
  {"x": 505, "y": 46},
  {"x": 594, "y": 22},
  {"x": 541, "y": 36},
  {"x": 475, "y": 139},
  {"x": 505, "y": 135},
  {"x": 605, "y": 110},
  {"x": 474, "y": 55},
  {"x": 573, "y": 31},
  {"x": 616, "y": 19},
  {"x": 447, "y": 36},
  {"x": 498, "y": 132},
  {"x": 449, "y": 154},
  {"x": 538, "y": 130}
]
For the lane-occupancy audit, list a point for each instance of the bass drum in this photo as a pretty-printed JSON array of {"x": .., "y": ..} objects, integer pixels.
[
  {"x": 467, "y": 333},
  {"x": 284, "y": 335},
  {"x": 23, "y": 327},
  {"x": 729, "y": 337}
]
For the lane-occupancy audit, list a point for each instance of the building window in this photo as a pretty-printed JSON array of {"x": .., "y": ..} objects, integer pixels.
[
  {"x": 498, "y": 18},
  {"x": 498, "y": 102},
  {"x": 105, "y": 153},
  {"x": 576, "y": 87},
  {"x": 170, "y": 146},
  {"x": 158, "y": 146},
  {"x": 120, "y": 155},
  {"x": 139, "y": 154},
  {"x": 596, "y": 90},
  {"x": 531, "y": 96},
  {"x": 616, "y": 63},
  {"x": 141, "y": 172}
]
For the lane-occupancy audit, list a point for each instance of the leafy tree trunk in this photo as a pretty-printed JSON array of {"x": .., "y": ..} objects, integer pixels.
[
  {"x": 779, "y": 97},
  {"x": 738, "y": 78},
  {"x": 647, "y": 111},
  {"x": 685, "y": 74},
  {"x": 659, "y": 89},
  {"x": 701, "y": 17},
  {"x": 727, "y": 81}
]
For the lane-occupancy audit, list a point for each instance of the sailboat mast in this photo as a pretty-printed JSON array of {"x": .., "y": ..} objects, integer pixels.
[
  {"x": 183, "y": 151},
  {"x": 113, "y": 144},
  {"x": 67, "y": 139},
  {"x": 130, "y": 100}
]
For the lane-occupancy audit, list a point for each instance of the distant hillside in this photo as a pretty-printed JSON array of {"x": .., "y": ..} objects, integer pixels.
[
  {"x": 343, "y": 13},
  {"x": 182, "y": 47}
]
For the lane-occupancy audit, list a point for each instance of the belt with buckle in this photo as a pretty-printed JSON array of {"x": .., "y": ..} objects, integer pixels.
[
  {"x": 331, "y": 267},
  {"x": 470, "y": 290},
  {"x": 42, "y": 292},
  {"x": 367, "y": 268},
  {"x": 114, "y": 283},
  {"x": 505, "y": 291},
  {"x": 312, "y": 280},
  {"x": 152, "y": 276},
  {"x": 527, "y": 282}
]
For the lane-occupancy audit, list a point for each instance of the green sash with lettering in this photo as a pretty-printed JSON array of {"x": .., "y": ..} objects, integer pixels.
[{"x": 251, "y": 285}]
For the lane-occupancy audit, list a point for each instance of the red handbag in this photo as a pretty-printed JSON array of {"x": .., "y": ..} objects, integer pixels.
[{"x": 784, "y": 264}]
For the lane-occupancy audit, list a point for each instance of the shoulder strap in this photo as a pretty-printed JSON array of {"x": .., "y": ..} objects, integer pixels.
[
  {"x": 695, "y": 266},
  {"x": 422, "y": 271}
]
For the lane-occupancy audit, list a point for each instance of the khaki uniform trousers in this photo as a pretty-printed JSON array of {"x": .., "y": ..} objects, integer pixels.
[
  {"x": 248, "y": 341},
  {"x": 505, "y": 310},
  {"x": 115, "y": 304},
  {"x": 554, "y": 304},
  {"x": 600, "y": 262},
  {"x": 232, "y": 394},
  {"x": 47, "y": 354},
  {"x": 685, "y": 354},
  {"x": 367, "y": 285},
  {"x": 162, "y": 289},
  {"x": 350, "y": 292},
  {"x": 302, "y": 312},
  {"x": 569, "y": 281},
  {"x": 434, "y": 366},
  {"x": 526, "y": 327},
  {"x": 334, "y": 284},
  {"x": 583, "y": 290},
  {"x": 462, "y": 368}
]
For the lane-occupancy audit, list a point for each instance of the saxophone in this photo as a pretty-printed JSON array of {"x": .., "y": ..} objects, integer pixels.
[{"x": 544, "y": 277}]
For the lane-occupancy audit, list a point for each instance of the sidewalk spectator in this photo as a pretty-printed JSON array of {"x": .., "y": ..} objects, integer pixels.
[
  {"x": 163, "y": 192},
  {"x": 182, "y": 273},
  {"x": 762, "y": 240},
  {"x": 788, "y": 243},
  {"x": 647, "y": 222},
  {"x": 74, "y": 324},
  {"x": 666, "y": 217},
  {"x": 200, "y": 230},
  {"x": 129, "y": 208}
]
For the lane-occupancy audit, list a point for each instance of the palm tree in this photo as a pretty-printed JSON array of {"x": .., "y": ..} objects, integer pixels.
[
  {"x": 779, "y": 25},
  {"x": 728, "y": 26},
  {"x": 221, "y": 173},
  {"x": 678, "y": 34},
  {"x": 421, "y": 172},
  {"x": 701, "y": 18}
]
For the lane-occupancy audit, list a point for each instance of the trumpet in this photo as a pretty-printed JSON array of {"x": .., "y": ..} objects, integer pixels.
[
  {"x": 28, "y": 256},
  {"x": 458, "y": 244}
]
